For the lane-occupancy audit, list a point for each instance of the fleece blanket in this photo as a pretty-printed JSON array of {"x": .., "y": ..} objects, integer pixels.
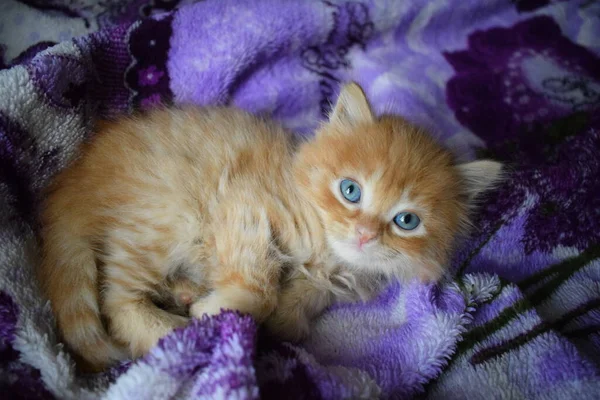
[{"x": 518, "y": 81}]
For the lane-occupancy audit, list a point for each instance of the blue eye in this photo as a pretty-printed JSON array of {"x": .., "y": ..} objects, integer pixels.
[
  {"x": 350, "y": 190},
  {"x": 407, "y": 221}
]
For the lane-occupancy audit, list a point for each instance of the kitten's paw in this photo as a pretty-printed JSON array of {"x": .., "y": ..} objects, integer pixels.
[
  {"x": 203, "y": 307},
  {"x": 234, "y": 298},
  {"x": 147, "y": 339}
]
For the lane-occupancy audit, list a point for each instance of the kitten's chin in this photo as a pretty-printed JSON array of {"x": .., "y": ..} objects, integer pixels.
[
  {"x": 365, "y": 259},
  {"x": 372, "y": 259}
]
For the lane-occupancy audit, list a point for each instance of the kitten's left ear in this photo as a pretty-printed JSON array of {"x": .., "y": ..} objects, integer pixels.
[
  {"x": 352, "y": 107},
  {"x": 480, "y": 176}
]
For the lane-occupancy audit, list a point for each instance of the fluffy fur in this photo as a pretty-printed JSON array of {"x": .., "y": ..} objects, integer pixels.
[{"x": 215, "y": 208}]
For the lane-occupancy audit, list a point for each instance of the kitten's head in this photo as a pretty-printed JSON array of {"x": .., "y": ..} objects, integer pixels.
[{"x": 391, "y": 198}]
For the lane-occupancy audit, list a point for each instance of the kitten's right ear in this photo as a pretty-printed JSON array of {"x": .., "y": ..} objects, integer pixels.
[
  {"x": 480, "y": 176},
  {"x": 352, "y": 107}
]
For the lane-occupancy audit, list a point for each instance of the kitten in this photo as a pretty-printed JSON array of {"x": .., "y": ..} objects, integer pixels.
[
  {"x": 227, "y": 205},
  {"x": 178, "y": 294}
]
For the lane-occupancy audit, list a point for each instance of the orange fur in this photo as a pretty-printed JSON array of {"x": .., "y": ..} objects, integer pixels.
[{"x": 206, "y": 206}]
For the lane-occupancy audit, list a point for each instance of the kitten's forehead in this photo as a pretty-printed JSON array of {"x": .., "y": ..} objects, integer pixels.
[
  {"x": 370, "y": 201},
  {"x": 381, "y": 198},
  {"x": 393, "y": 162},
  {"x": 405, "y": 202}
]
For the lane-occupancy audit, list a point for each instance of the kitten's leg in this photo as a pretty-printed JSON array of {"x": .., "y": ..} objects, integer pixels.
[
  {"x": 246, "y": 274},
  {"x": 300, "y": 300},
  {"x": 133, "y": 318}
]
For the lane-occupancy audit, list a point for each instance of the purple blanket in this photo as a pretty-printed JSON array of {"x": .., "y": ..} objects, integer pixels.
[{"x": 516, "y": 80}]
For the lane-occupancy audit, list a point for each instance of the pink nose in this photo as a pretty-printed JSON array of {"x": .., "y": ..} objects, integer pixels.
[{"x": 365, "y": 234}]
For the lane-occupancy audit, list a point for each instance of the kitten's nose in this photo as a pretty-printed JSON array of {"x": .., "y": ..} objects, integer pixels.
[{"x": 365, "y": 234}]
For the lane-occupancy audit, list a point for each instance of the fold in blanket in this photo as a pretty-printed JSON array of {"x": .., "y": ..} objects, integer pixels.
[{"x": 518, "y": 81}]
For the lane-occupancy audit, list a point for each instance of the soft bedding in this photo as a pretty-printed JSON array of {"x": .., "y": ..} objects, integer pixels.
[{"x": 518, "y": 81}]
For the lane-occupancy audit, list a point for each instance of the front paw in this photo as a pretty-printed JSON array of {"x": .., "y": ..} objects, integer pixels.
[
  {"x": 148, "y": 338},
  {"x": 235, "y": 298},
  {"x": 204, "y": 307},
  {"x": 288, "y": 326}
]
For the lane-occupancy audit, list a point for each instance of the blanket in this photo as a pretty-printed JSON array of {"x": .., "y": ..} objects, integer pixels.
[{"x": 514, "y": 80}]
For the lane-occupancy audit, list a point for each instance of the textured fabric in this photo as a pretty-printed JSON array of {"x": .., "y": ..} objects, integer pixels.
[{"x": 517, "y": 80}]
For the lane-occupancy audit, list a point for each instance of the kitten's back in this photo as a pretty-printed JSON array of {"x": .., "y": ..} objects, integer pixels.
[{"x": 149, "y": 174}]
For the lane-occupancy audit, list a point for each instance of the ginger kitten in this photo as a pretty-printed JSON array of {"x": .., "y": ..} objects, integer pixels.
[{"x": 212, "y": 208}]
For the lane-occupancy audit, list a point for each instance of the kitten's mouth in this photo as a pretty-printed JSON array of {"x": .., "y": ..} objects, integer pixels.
[
  {"x": 363, "y": 246},
  {"x": 351, "y": 250}
]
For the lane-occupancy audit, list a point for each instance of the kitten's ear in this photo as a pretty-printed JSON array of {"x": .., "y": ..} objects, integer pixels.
[
  {"x": 351, "y": 107},
  {"x": 480, "y": 176}
]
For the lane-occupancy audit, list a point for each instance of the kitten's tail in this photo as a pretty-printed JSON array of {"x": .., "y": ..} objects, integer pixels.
[{"x": 69, "y": 278}]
